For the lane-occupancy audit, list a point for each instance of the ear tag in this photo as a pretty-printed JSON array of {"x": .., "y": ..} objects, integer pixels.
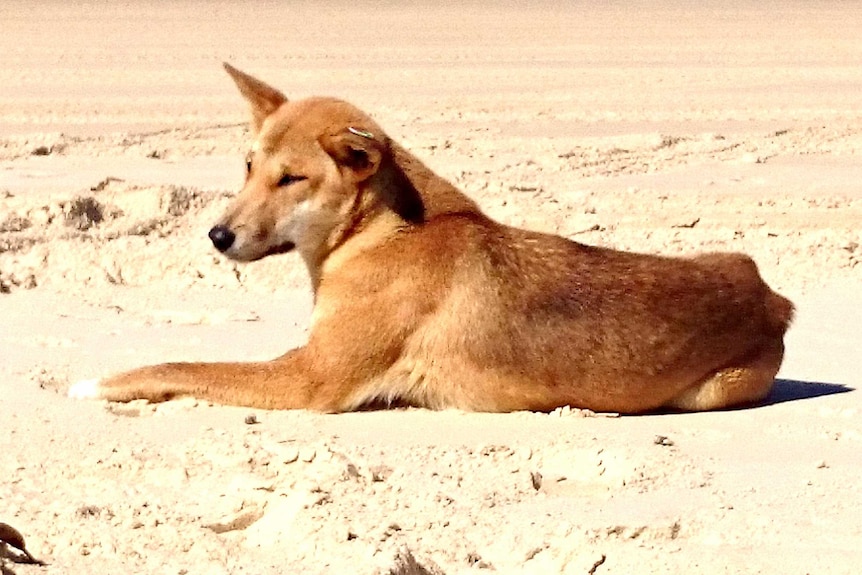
[{"x": 361, "y": 133}]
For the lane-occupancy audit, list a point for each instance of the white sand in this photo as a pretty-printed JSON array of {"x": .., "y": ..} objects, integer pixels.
[{"x": 673, "y": 130}]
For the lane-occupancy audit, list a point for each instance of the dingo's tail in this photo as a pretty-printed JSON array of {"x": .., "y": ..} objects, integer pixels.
[{"x": 779, "y": 312}]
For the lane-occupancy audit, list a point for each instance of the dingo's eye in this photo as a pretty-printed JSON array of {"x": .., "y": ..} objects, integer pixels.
[
  {"x": 248, "y": 163},
  {"x": 288, "y": 179}
]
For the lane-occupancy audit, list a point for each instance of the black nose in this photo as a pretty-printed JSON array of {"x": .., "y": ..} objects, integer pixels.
[{"x": 222, "y": 238}]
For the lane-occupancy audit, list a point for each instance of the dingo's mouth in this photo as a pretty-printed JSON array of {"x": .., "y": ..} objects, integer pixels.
[{"x": 282, "y": 249}]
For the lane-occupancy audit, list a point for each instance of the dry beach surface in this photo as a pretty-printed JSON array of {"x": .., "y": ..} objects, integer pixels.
[{"x": 674, "y": 130}]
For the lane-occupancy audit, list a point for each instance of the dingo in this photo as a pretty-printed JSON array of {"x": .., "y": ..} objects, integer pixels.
[{"x": 420, "y": 299}]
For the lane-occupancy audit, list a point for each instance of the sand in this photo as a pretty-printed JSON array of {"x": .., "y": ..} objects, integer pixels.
[{"x": 673, "y": 130}]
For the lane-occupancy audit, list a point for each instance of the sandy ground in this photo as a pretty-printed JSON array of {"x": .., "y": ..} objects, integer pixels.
[{"x": 675, "y": 130}]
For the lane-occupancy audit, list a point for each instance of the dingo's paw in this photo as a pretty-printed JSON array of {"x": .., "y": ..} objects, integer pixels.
[{"x": 85, "y": 389}]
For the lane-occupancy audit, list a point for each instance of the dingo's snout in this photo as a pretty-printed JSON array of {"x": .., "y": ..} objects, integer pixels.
[{"x": 222, "y": 237}]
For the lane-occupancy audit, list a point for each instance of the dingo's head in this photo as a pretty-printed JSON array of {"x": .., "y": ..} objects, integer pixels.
[{"x": 306, "y": 171}]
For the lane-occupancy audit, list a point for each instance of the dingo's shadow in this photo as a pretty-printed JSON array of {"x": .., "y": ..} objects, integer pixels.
[
  {"x": 793, "y": 389},
  {"x": 783, "y": 390}
]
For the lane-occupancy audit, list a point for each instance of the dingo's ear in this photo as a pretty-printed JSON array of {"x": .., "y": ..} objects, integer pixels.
[
  {"x": 264, "y": 99},
  {"x": 356, "y": 149}
]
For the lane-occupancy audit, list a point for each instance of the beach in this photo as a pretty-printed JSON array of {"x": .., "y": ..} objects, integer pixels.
[{"x": 674, "y": 130}]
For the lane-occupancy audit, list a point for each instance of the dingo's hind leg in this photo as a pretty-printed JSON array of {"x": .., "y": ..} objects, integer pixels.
[{"x": 747, "y": 382}]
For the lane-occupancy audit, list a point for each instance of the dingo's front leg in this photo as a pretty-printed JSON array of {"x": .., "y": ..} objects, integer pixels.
[{"x": 284, "y": 383}]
